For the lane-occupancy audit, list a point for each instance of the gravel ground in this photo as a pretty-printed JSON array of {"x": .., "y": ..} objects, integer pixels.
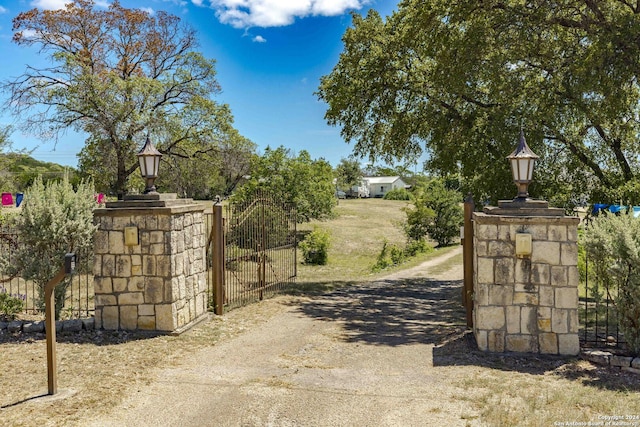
[{"x": 370, "y": 355}]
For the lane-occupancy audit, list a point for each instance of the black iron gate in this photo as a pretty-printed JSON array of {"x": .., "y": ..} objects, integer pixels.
[
  {"x": 599, "y": 325},
  {"x": 259, "y": 251}
]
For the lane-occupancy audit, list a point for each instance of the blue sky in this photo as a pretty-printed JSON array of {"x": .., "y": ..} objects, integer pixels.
[{"x": 270, "y": 56}]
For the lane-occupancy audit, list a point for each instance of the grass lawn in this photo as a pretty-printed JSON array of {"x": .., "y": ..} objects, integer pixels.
[{"x": 358, "y": 231}]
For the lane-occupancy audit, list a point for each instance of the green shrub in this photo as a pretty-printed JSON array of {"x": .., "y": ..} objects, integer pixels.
[
  {"x": 415, "y": 247},
  {"x": 55, "y": 219},
  {"x": 436, "y": 213},
  {"x": 391, "y": 255},
  {"x": 398, "y": 194},
  {"x": 315, "y": 247},
  {"x": 385, "y": 258},
  {"x": 10, "y": 305},
  {"x": 613, "y": 251},
  {"x": 418, "y": 219}
]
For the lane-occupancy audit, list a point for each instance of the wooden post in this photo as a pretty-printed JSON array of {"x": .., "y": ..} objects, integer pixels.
[
  {"x": 218, "y": 259},
  {"x": 467, "y": 256},
  {"x": 50, "y": 325}
]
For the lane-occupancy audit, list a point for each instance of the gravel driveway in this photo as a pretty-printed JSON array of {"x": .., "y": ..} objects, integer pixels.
[{"x": 360, "y": 356}]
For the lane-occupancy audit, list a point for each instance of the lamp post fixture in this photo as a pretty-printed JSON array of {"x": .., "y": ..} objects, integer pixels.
[
  {"x": 522, "y": 162},
  {"x": 149, "y": 158}
]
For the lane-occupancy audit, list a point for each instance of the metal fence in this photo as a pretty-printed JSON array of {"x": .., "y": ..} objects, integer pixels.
[
  {"x": 79, "y": 300},
  {"x": 597, "y": 312},
  {"x": 258, "y": 254}
]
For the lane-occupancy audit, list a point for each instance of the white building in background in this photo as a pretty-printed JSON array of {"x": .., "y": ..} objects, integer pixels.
[{"x": 378, "y": 186}]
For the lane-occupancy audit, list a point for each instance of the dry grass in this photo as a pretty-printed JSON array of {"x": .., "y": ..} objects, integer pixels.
[
  {"x": 99, "y": 367},
  {"x": 358, "y": 231},
  {"x": 357, "y": 234}
]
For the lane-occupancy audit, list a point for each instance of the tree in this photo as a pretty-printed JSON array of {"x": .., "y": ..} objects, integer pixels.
[
  {"x": 210, "y": 174},
  {"x": 348, "y": 174},
  {"x": 299, "y": 180},
  {"x": 118, "y": 74},
  {"x": 436, "y": 213},
  {"x": 459, "y": 79}
]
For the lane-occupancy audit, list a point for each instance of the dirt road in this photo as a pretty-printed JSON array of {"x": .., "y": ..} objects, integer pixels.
[{"x": 359, "y": 356}]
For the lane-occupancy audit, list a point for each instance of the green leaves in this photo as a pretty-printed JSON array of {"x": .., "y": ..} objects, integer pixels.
[
  {"x": 299, "y": 180},
  {"x": 315, "y": 247},
  {"x": 613, "y": 248},
  {"x": 118, "y": 74},
  {"x": 55, "y": 219},
  {"x": 436, "y": 213},
  {"x": 458, "y": 80}
]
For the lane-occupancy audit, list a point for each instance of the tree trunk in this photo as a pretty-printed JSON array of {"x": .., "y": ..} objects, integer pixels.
[{"x": 121, "y": 181}]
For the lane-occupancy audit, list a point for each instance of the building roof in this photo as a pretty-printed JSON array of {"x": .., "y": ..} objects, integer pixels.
[{"x": 382, "y": 179}]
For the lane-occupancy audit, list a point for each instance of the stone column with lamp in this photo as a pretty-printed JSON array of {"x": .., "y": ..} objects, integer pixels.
[
  {"x": 525, "y": 271},
  {"x": 149, "y": 263}
]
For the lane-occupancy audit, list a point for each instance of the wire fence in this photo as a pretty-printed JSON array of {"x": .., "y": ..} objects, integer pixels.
[{"x": 79, "y": 299}]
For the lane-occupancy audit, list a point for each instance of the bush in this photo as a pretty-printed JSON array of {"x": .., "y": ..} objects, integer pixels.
[
  {"x": 55, "y": 219},
  {"x": 398, "y": 194},
  {"x": 10, "y": 305},
  {"x": 437, "y": 213},
  {"x": 416, "y": 247},
  {"x": 391, "y": 255},
  {"x": 613, "y": 249},
  {"x": 315, "y": 247}
]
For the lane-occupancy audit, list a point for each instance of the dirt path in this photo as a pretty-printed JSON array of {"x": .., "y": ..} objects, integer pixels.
[{"x": 365, "y": 356}]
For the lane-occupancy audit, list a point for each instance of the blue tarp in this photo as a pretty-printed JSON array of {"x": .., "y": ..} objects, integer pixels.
[
  {"x": 617, "y": 208},
  {"x": 597, "y": 207}
]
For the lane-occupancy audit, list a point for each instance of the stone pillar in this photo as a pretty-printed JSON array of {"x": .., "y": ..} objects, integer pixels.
[
  {"x": 149, "y": 264},
  {"x": 527, "y": 303}
]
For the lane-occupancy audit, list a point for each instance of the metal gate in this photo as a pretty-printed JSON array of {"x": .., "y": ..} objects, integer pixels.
[{"x": 258, "y": 251}]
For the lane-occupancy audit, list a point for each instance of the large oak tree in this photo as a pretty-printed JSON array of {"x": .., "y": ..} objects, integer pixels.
[
  {"x": 458, "y": 79},
  {"x": 119, "y": 74}
]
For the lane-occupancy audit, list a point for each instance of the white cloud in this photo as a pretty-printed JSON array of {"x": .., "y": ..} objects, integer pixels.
[
  {"x": 259, "y": 39},
  {"x": 3, "y": 10},
  {"x": 149, "y": 10},
  {"x": 60, "y": 4},
  {"x": 276, "y": 13},
  {"x": 49, "y": 4},
  {"x": 27, "y": 34}
]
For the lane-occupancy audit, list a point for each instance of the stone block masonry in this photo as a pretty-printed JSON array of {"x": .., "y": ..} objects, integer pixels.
[
  {"x": 527, "y": 304},
  {"x": 158, "y": 284}
]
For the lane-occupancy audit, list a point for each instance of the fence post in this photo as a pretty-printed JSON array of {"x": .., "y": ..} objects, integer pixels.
[
  {"x": 467, "y": 256},
  {"x": 218, "y": 259}
]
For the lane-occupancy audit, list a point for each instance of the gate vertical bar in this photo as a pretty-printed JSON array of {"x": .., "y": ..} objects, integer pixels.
[
  {"x": 467, "y": 254},
  {"x": 218, "y": 259},
  {"x": 263, "y": 246}
]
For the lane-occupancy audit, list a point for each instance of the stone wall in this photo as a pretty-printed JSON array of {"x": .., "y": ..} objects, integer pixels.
[
  {"x": 527, "y": 304},
  {"x": 158, "y": 284}
]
